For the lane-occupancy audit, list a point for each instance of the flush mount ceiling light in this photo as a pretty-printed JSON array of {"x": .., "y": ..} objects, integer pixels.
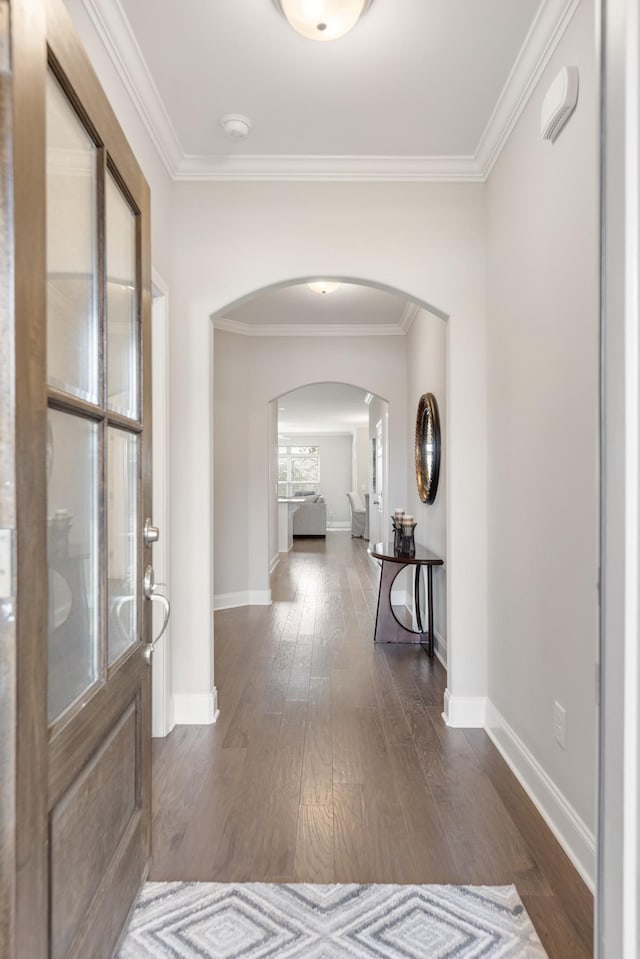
[
  {"x": 323, "y": 286},
  {"x": 322, "y": 19}
]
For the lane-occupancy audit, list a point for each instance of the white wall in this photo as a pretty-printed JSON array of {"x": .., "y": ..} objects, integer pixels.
[
  {"x": 232, "y": 239},
  {"x": 336, "y": 470},
  {"x": 542, "y": 435},
  {"x": 232, "y": 487},
  {"x": 426, "y": 345}
]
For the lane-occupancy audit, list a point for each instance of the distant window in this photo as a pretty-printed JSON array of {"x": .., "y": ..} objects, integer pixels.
[{"x": 298, "y": 470}]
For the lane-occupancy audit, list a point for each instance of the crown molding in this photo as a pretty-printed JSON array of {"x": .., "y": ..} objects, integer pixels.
[
  {"x": 113, "y": 28},
  {"x": 318, "y": 431},
  {"x": 545, "y": 33},
  {"x": 297, "y": 329},
  {"x": 409, "y": 314},
  {"x": 361, "y": 168},
  {"x": 111, "y": 24}
]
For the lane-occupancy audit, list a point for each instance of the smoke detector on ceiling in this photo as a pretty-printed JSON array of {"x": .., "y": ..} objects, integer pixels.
[
  {"x": 559, "y": 103},
  {"x": 236, "y": 126}
]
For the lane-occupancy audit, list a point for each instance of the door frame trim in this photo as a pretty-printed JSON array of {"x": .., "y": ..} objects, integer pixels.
[{"x": 163, "y": 706}]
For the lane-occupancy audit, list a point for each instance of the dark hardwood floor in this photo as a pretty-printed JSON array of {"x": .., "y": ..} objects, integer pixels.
[{"x": 330, "y": 762}]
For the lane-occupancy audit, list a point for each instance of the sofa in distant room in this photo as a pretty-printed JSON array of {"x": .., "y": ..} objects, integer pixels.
[{"x": 310, "y": 518}]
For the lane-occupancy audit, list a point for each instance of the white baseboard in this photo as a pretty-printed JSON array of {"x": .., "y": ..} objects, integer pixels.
[
  {"x": 248, "y": 597},
  {"x": 440, "y": 647},
  {"x": 464, "y": 712},
  {"x": 199, "y": 709},
  {"x": 274, "y": 562},
  {"x": 338, "y": 526},
  {"x": 574, "y": 836},
  {"x": 168, "y": 721}
]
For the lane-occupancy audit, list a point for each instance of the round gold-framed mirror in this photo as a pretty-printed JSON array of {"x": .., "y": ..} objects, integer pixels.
[{"x": 427, "y": 447}]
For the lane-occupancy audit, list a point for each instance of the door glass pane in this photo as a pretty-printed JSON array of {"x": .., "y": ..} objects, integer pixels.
[
  {"x": 72, "y": 325},
  {"x": 122, "y": 300},
  {"x": 122, "y": 540},
  {"x": 72, "y": 473}
]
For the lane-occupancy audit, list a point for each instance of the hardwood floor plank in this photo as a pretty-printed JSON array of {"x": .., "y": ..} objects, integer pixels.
[
  {"x": 190, "y": 851},
  {"x": 351, "y": 846},
  {"x": 300, "y": 677},
  {"x": 314, "y": 860},
  {"x": 232, "y": 850},
  {"x": 433, "y": 857},
  {"x": 279, "y": 676},
  {"x": 317, "y": 767},
  {"x": 279, "y": 800},
  {"x": 390, "y": 848},
  {"x": 396, "y": 728},
  {"x": 188, "y": 753},
  {"x": 347, "y": 763},
  {"x": 557, "y": 934}
]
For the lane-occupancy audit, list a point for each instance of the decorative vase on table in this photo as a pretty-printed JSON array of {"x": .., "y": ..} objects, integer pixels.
[{"x": 404, "y": 543}]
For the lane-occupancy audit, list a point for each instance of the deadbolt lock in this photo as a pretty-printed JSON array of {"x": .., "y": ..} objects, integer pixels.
[{"x": 151, "y": 533}]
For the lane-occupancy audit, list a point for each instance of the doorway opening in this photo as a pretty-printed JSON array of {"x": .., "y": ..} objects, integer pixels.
[{"x": 321, "y": 452}]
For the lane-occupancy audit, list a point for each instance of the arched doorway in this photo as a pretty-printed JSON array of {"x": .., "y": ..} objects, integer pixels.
[{"x": 254, "y": 361}]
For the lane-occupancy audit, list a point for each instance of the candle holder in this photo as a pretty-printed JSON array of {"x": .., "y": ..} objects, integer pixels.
[
  {"x": 404, "y": 543},
  {"x": 407, "y": 546}
]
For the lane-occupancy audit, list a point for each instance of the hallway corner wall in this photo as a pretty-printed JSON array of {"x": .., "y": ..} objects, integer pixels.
[
  {"x": 543, "y": 449},
  {"x": 426, "y": 346}
]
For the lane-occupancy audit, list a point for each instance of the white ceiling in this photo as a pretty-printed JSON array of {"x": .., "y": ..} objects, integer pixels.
[
  {"x": 351, "y": 308},
  {"x": 420, "y": 89},
  {"x": 322, "y": 408}
]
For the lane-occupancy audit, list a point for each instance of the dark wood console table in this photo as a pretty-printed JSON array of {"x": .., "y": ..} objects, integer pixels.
[{"x": 389, "y": 629}]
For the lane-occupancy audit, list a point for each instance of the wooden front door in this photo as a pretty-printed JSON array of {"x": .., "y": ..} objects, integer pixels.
[{"x": 75, "y": 441}]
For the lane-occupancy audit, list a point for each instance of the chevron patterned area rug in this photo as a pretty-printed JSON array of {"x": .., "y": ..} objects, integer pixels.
[{"x": 182, "y": 920}]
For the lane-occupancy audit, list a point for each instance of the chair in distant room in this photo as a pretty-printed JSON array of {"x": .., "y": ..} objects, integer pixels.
[{"x": 358, "y": 514}]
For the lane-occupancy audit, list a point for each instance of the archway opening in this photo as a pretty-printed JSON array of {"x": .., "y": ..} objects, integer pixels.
[
  {"x": 332, "y": 444},
  {"x": 270, "y": 348}
]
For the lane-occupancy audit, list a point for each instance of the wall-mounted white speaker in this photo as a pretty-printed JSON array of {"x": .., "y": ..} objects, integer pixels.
[{"x": 559, "y": 103}]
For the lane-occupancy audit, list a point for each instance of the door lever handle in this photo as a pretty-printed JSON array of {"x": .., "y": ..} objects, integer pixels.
[
  {"x": 148, "y": 583},
  {"x": 149, "y": 589}
]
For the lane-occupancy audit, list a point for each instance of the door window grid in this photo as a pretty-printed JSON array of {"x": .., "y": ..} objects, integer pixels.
[
  {"x": 69, "y": 401},
  {"x": 72, "y": 250}
]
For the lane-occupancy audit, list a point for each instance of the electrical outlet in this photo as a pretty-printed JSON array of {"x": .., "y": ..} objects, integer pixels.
[{"x": 560, "y": 725}]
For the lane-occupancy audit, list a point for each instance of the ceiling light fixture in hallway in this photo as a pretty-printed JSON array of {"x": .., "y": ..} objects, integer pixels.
[
  {"x": 323, "y": 286},
  {"x": 322, "y": 19}
]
